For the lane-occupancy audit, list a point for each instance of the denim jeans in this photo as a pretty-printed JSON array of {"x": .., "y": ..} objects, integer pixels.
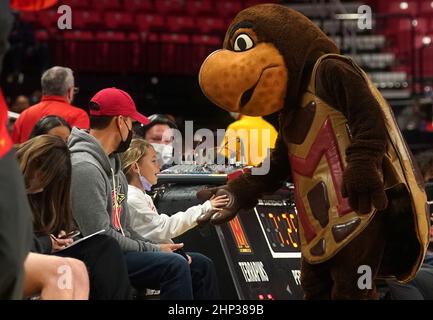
[{"x": 171, "y": 273}]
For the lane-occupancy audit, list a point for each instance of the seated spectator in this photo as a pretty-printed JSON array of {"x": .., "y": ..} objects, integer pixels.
[
  {"x": 21, "y": 103},
  {"x": 425, "y": 164},
  {"x": 58, "y": 93},
  {"x": 42, "y": 273},
  {"x": 100, "y": 195},
  {"x": 153, "y": 132},
  {"x": 159, "y": 133},
  {"x": 140, "y": 165},
  {"x": 420, "y": 288},
  {"x": 52, "y": 125},
  {"x": 46, "y": 166}
]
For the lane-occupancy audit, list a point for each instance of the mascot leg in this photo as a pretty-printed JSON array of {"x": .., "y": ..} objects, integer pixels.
[
  {"x": 316, "y": 281},
  {"x": 338, "y": 278}
]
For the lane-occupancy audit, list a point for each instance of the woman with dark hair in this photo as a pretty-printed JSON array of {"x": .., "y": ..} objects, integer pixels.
[
  {"x": 52, "y": 125},
  {"x": 46, "y": 166}
]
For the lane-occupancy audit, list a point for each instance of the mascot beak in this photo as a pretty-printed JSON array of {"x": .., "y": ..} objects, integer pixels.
[{"x": 252, "y": 82}]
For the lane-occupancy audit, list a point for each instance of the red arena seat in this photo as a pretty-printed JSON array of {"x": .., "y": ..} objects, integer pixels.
[
  {"x": 139, "y": 6},
  {"x": 181, "y": 24},
  {"x": 199, "y": 7},
  {"x": 150, "y": 22},
  {"x": 228, "y": 9},
  {"x": 107, "y": 5},
  {"x": 211, "y": 25},
  {"x": 87, "y": 19},
  {"x": 170, "y": 6},
  {"x": 119, "y": 20}
]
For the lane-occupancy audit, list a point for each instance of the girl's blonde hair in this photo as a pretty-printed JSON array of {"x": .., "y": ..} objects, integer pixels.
[{"x": 135, "y": 152}]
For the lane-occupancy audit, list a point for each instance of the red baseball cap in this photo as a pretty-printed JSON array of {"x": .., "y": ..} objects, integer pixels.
[{"x": 116, "y": 102}]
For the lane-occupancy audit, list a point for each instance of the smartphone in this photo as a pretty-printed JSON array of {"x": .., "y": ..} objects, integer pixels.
[{"x": 71, "y": 234}]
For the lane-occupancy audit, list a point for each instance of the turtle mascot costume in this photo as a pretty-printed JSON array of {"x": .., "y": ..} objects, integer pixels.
[{"x": 359, "y": 196}]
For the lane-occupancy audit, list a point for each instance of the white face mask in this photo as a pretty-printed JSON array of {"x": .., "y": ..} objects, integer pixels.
[{"x": 164, "y": 153}]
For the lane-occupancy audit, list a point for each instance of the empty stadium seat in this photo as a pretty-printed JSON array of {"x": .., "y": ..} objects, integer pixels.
[
  {"x": 206, "y": 40},
  {"x": 389, "y": 80},
  {"x": 87, "y": 19},
  {"x": 41, "y": 35},
  {"x": 139, "y": 6},
  {"x": 203, "y": 45},
  {"x": 150, "y": 22},
  {"x": 250, "y": 3},
  {"x": 175, "y": 53},
  {"x": 360, "y": 42},
  {"x": 397, "y": 7},
  {"x": 199, "y": 7},
  {"x": 106, "y": 5},
  {"x": 114, "y": 51},
  {"x": 426, "y": 8},
  {"x": 375, "y": 60},
  {"x": 176, "y": 38},
  {"x": 228, "y": 9},
  {"x": 181, "y": 24},
  {"x": 78, "y": 35},
  {"x": 211, "y": 25},
  {"x": 110, "y": 36},
  {"x": 119, "y": 20},
  {"x": 48, "y": 18},
  {"x": 76, "y": 50},
  {"x": 170, "y": 6},
  {"x": 29, "y": 16},
  {"x": 79, "y": 4}
]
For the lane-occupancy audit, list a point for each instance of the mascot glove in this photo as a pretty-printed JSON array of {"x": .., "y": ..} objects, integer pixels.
[
  {"x": 222, "y": 215},
  {"x": 363, "y": 185}
]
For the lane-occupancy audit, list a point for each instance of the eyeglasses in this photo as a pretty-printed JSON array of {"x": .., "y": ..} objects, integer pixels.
[{"x": 76, "y": 90}]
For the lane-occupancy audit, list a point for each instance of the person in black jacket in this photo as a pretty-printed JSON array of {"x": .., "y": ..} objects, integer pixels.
[{"x": 46, "y": 166}]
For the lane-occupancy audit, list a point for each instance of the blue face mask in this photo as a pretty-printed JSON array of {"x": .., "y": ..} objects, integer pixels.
[{"x": 144, "y": 182}]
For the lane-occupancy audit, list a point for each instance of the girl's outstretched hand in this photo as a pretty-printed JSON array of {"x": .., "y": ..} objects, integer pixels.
[{"x": 218, "y": 202}]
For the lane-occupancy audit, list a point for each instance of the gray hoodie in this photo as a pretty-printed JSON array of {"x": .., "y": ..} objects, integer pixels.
[{"x": 97, "y": 182}]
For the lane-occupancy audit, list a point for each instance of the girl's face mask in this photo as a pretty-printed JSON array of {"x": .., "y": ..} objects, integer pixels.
[{"x": 144, "y": 182}]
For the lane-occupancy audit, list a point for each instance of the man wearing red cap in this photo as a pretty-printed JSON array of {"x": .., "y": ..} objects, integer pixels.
[{"x": 99, "y": 195}]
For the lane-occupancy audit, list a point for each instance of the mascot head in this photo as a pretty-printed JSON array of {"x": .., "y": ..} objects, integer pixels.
[{"x": 261, "y": 68}]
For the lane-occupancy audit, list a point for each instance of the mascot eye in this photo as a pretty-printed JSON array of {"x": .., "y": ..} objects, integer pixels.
[{"x": 243, "y": 42}]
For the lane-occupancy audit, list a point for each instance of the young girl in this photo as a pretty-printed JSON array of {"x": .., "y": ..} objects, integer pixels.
[
  {"x": 46, "y": 166},
  {"x": 140, "y": 165}
]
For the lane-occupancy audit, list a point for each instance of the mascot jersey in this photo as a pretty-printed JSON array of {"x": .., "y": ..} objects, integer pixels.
[{"x": 317, "y": 159}]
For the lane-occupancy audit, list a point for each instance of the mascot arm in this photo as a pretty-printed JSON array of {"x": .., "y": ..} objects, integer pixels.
[
  {"x": 341, "y": 85},
  {"x": 248, "y": 187},
  {"x": 244, "y": 191}
]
